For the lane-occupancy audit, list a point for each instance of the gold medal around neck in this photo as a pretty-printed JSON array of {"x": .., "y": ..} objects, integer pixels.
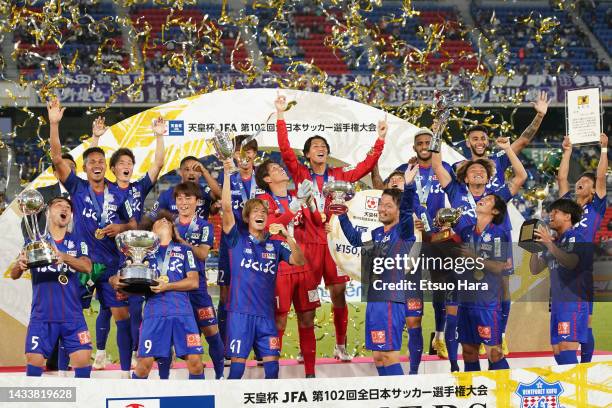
[
  {"x": 478, "y": 275},
  {"x": 99, "y": 234},
  {"x": 62, "y": 279},
  {"x": 163, "y": 278}
]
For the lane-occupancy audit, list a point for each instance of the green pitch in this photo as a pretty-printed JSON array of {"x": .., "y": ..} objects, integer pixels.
[{"x": 326, "y": 337}]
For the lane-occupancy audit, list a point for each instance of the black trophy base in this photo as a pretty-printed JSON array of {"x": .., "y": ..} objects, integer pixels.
[
  {"x": 527, "y": 236},
  {"x": 138, "y": 286},
  {"x": 40, "y": 264}
]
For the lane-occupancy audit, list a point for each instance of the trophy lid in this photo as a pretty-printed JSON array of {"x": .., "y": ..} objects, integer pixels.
[
  {"x": 138, "y": 242},
  {"x": 30, "y": 202}
]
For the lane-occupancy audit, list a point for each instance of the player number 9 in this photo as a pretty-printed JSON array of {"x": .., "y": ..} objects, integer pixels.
[{"x": 148, "y": 344}]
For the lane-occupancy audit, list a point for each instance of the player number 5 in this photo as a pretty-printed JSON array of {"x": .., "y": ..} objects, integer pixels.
[
  {"x": 235, "y": 346},
  {"x": 34, "y": 342},
  {"x": 148, "y": 344}
]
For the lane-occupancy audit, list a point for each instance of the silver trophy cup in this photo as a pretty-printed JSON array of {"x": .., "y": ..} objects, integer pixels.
[
  {"x": 39, "y": 252},
  {"x": 137, "y": 274},
  {"x": 340, "y": 192},
  {"x": 441, "y": 113},
  {"x": 224, "y": 146}
]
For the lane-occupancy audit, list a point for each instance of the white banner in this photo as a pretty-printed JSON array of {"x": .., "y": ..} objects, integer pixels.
[{"x": 583, "y": 109}]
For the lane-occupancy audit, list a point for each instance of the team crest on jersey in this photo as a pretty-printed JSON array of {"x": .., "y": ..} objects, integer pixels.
[
  {"x": 484, "y": 332},
  {"x": 563, "y": 328},
  {"x": 206, "y": 313},
  {"x": 378, "y": 336},
  {"x": 269, "y": 246},
  {"x": 84, "y": 337},
  {"x": 486, "y": 237},
  {"x": 414, "y": 304},
  {"x": 539, "y": 394},
  {"x": 371, "y": 203},
  {"x": 268, "y": 255},
  {"x": 69, "y": 244},
  {"x": 248, "y": 251},
  {"x": 274, "y": 343},
  {"x": 193, "y": 340}
]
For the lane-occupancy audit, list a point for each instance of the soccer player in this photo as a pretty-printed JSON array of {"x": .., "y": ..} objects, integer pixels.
[
  {"x": 387, "y": 309},
  {"x": 254, "y": 260},
  {"x": 293, "y": 284},
  {"x": 590, "y": 193},
  {"x": 56, "y": 299},
  {"x": 430, "y": 198},
  {"x": 473, "y": 176},
  {"x": 168, "y": 318},
  {"x": 316, "y": 151},
  {"x": 198, "y": 234},
  {"x": 479, "y": 317},
  {"x": 569, "y": 257},
  {"x": 122, "y": 166},
  {"x": 243, "y": 187},
  {"x": 190, "y": 169},
  {"x": 99, "y": 208}
]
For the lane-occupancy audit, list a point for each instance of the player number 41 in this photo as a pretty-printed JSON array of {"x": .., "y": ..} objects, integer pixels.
[{"x": 235, "y": 346}]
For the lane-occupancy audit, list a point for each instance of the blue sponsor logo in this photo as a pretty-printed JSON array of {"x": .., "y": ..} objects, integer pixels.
[
  {"x": 176, "y": 128},
  {"x": 540, "y": 394},
  {"x": 199, "y": 401}
]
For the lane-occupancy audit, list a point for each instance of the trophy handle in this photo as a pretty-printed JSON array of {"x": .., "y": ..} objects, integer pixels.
[{"x": 29, "y": 228}]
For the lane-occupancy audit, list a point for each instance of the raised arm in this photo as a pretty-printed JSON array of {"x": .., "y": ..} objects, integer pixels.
[
  {"x": 98, "y": 127},
  {"x": 602, "y": 168},
  {"x": 158, "y": 127},
  {"x": 541, "y": 107},
  {"x": 377, "y": 181},
  {"x": 366, "y": 165},
  {"x": 352, "y": 235},
  {"x": 406, "y": 222},
  {"x": 563, "y": 172},
  {"x": 444, "y": 177},
  {"x": 287, "y": 153},
  {"x": 55, "y": 113},
  {"x": 226, "y": 198},
  {"x": 520, "y": 174}
]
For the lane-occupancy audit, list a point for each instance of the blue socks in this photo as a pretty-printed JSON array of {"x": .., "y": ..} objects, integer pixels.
[
  {"x": 450, "y": 337},
  {"x": 221, "y": 319},
  {"x": 586, "y": 349},
  {"x": 33, "y": 371},
  {"x": 196, "y": 376},
  {"x": 216, "y": 352},
  {"x": 124, "y": 344},
  {"x": 567, "y": 357},
  {"x": 439, "y": 315},
  {"x": 83, "y": 372},
  {"x": 415, "y": 348},
  {"x": 505, "y": 312},
  {"x": 135, "y": 377},
  {"x": 135, "y": 307},
  {"x": 499, "y": 365},
  {"x": 270, "y": 369},
  {"x": 103, "y": 322},
  {"x": 381, "y": 370},
  {"x": 475, "y": 366},
  {"x": 236, "y": 371},
  {"x": 163, "y": 366},
  {"x": 394, "y": 369}
]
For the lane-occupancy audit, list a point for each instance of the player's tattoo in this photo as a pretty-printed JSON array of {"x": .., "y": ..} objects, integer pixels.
[{"x": 533, "y": 127}]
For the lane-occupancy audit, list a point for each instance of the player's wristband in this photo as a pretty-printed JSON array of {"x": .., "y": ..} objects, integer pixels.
[{"x": 604, "y": 150}]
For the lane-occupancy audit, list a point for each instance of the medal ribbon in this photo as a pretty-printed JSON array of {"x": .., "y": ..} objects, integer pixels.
[
  {"x": 102, "y": 216},
  {"x": 166, "y": 261},
  {"x": 423, "y": 192},
  {"x": 318, "y": 195}
]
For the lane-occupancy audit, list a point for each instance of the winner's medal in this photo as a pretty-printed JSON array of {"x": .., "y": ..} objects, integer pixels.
[
  {"x": 478, "y": 274},
  {"x": 164, "y": 278},
  {"x": 274, "y": 229},
  {"x": 99, "y": 234},
  {"x": 62, "y": 279}
]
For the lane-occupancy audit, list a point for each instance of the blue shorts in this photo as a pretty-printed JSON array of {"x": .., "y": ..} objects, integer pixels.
[
  {"x": 384, "y": 325},
  {"x": 475, "y": 326},
  {"x": 158, "y": 334},
  {"x": 109, "y": 297},
  {"x": 246, "y": 331},
  {"x": 223, "y": 276},
  {"x": 42, "y": 337},
  {"x": 569, "y": 326},
  {"x": 203, "y": 309},
  {"x": 414, "y": 307}
]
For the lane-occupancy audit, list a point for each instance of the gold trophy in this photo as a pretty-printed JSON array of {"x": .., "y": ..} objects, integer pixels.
[{"x": 445, "y": 219}]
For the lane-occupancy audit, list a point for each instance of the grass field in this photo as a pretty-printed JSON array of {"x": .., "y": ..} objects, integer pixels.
[{"x": 602, "y": 328}]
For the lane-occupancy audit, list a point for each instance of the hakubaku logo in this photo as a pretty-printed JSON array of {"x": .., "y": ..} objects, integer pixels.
[
  {"x": 134, "y": 406},
  {"x": 540, "y": 394}
]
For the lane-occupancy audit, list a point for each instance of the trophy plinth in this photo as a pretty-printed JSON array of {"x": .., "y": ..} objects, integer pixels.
[
  {"x": 39, "y": 251},
  {"x": 445, "y": 219},
  {"x": 527, "y": 236},
  {"x": 136, "y": 274},
  {"x": 340, "y": 192}
]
